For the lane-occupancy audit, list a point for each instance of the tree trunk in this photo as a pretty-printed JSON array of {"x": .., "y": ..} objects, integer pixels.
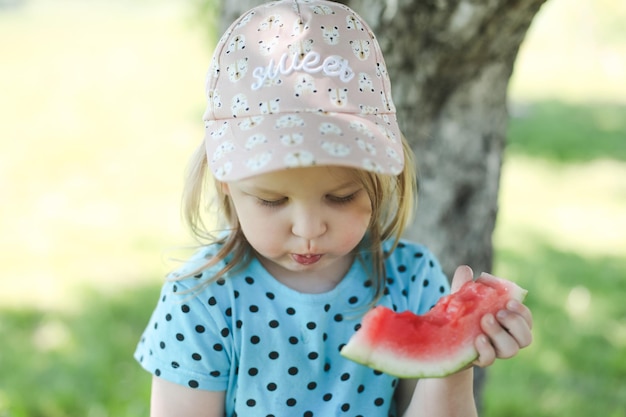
[{"x": 450, "y": 62}]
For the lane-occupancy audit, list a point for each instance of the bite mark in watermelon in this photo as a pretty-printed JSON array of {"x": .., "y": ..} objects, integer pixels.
[{"x": 435, "y": 344}]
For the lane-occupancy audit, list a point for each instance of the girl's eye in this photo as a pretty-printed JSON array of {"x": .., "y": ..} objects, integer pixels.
[
  {"x": 343, "y": 199},
  {"x": 271, "y": 203}
]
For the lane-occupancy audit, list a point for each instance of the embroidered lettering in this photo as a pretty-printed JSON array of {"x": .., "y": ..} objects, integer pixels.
[{"x": 332, "y": 66}]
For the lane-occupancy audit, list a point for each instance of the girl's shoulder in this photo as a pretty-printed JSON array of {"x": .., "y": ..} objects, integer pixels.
[
  {"x": 409, "y": 253},
  {"x": 202, "y": 261},
  {"x": 210, "y": 271},
  {"x": 415, "y": 279}
]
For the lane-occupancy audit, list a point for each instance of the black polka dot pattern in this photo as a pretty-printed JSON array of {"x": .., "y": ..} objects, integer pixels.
[{"x": 279, "y": 348}]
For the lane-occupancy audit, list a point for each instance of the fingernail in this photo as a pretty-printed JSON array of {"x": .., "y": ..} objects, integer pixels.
[
  {"x": 502, "y": 314},
  {"x": 513, "y": 305}
]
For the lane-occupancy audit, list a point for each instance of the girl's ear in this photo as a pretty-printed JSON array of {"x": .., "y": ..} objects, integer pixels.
[{"x": 224, "y": 188}]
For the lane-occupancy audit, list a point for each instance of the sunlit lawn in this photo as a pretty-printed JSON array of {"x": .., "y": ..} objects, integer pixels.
[
  {"x": 101, "y": 106},
  {"x": 561, "y": 236}
]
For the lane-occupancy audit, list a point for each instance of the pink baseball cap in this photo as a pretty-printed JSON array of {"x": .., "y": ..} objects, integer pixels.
[{"x": 296, "y": 83}]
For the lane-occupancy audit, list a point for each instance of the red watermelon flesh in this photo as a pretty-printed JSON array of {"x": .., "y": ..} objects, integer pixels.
[{"x": 435, "y": 344}]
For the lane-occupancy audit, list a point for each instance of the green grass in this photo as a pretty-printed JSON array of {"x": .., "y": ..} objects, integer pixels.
[
  {"x": 569, "y": 133},
  {"x": 577, "y": 363},
  {"x": 62, "y": 364},
  {"x": 99, "y": 120}
]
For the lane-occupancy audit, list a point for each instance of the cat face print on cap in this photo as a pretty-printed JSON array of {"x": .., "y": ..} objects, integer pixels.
[{"x": 299, "y": 83}]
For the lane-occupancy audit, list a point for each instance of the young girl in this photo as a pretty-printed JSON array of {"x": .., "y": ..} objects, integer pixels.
[{"x": 314, "y": 183}]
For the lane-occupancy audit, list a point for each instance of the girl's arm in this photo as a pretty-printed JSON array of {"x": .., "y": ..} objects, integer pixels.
[
  {"x": 451, "y": 396},
  {"x": 173, "y": 400}
]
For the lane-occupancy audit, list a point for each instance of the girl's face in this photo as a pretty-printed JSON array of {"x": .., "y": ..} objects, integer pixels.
[{"x": 303, "y": 222}]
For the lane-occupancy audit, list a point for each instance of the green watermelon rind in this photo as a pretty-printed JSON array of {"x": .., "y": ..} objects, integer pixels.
[
  {"x": 380, "y": 360},
  {"x": 360, "y": 350}
]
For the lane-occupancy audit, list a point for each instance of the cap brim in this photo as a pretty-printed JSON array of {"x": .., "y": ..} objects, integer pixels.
[{"x": 238, "y": 148}]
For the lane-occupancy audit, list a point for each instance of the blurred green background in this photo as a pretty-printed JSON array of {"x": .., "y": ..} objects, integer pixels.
[{"x": 100, "y": 107}]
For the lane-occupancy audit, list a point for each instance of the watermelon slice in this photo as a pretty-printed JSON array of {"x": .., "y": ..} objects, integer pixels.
[{"x": 435, "y": 344}]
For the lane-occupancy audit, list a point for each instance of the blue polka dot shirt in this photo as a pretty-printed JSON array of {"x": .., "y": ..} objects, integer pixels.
[{"x": 275, "y": 351}]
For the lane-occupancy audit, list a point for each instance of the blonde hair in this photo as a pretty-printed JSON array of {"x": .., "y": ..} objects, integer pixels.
[{"x": 393, "y": 202}]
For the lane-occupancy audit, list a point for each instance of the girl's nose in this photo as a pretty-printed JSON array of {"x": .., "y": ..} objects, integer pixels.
[{"x": 308, "y": 223}]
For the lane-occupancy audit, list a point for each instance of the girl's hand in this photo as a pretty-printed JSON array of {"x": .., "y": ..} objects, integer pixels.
[{"x": 505, "y": 333}]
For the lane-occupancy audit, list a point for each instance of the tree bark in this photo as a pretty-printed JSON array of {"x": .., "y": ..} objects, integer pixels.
[{"x": 450, "y": 62}]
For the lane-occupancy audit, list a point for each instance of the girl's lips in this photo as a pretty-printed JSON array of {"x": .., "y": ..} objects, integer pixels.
[{"x": 307, "y": 259}]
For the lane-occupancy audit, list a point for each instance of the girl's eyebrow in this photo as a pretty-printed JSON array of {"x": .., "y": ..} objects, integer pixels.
[
  {"x": 258, "y": 189},
  {"x": 347, "y": 184},
  {"x": 261, "y": 189}
]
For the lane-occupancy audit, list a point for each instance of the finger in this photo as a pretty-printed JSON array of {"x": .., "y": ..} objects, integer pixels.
[
  {"x": 462, "y": 275},
  {"x": 504, "y": 344},
  {"x": 486, "y": 352},
  {"x": 516, "y": 326},
  {"x": 519, "y": 308}
]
